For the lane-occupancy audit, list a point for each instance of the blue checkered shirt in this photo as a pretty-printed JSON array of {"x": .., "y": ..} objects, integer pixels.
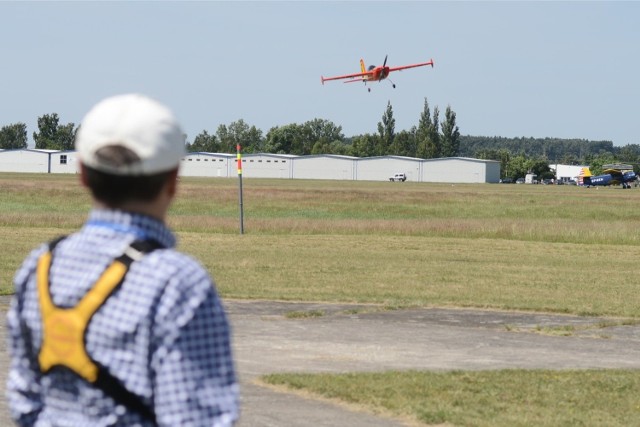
[{"x": 163, "y": 334}]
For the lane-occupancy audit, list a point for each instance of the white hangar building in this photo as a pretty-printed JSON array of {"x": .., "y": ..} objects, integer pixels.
[
  {"x": 208, "y": 164},
  {"x": 264, "y": 165},
  {"x": 327, "y": 166},
  {"x": 34, "y": 161},
  {"x": 64, "y": 162},
  {"x": 223, "y": 165},
  {"x": 38, "y": 161},
  {"x": 381, "y": 168},
  {"x": 460, "y": 169}
]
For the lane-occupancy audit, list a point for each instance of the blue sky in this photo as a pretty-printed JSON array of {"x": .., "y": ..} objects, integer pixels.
[{"x": 532, "y": 69}]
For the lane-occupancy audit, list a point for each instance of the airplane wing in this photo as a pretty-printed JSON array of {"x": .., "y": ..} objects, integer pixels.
[
  {"x": 357, "y": 80},
  {"x": 612, "y": 171},
  {"x": 362, "y": 76},
  {"x": 404, "y": 67}
]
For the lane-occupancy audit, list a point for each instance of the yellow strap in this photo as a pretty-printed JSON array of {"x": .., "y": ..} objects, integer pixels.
[
  {"x": 92, "y": 301},
  {"x": 64, "y": 329},
  {"x": 46, "y": 305}
]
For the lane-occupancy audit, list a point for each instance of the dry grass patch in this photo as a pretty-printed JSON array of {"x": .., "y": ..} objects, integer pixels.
[{"x": 408, "y": 271}]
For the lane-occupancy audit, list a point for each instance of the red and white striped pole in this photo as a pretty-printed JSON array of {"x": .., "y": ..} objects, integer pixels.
[{"x": 239, "y": 157}]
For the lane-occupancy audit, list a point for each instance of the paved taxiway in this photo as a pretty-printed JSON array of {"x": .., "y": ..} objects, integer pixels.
[{"x": 364, "y": 338}]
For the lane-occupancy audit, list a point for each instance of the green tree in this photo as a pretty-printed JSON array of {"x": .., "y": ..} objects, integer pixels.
[
  {"x": 239, "y": 132},
  {"x": 404, "y": 144},
  {"x": 286, "y": 139},
  {"x": 319, "y": 135},
  {"x": 517, "y": 167},
  {"x": 555, "y": 150},
  {"x": 340, "y": 148},
  {"x": 320, "y": 148},
  {"x": 502, "y": 155},
  {"x": 597, "y": 162},
  {"x": 434, "y": 133},
  {"x": 52, "y": 135},
  {"x": 365, "y": 145},
  {"x": 425, "y": 145},
  {"x": 386, "y": 131},
  {"x": 539, "y": 166},
  {"x": 450, "y": 134},
  {"x": 629, "y": 153},
  {"x": 13, "y": 136},
  {"x": 204, "y": 143}
]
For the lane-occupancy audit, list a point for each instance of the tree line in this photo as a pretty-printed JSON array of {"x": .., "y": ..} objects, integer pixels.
[{"x": 431, "y": 137}]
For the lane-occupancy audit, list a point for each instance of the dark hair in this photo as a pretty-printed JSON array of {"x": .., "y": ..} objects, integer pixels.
[{"x": 113, "y": 190}]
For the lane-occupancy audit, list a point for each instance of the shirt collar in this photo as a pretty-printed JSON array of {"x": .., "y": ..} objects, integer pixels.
[{"x": 143, "y": 227}]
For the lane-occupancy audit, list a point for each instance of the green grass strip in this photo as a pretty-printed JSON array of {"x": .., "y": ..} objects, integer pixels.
[{"x": 487, "y": 398}]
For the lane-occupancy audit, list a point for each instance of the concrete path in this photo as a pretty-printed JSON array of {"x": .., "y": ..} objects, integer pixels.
[{"x": 362, "y": 338}]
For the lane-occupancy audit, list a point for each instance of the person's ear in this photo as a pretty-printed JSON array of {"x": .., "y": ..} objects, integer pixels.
[
  {"x": 172, "y": 182},
  {"x": 83, "y": 175}
]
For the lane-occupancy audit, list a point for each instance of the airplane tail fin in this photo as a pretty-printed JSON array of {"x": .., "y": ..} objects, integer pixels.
[
  {"x": 363, "y": 69},
  {"x": 585, "y": 177}
]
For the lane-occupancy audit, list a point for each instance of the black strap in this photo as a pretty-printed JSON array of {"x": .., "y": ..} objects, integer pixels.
[
  {"x": 54, "y": 242},
  {"x": 106, "y": 382},
  {"x": 113, "y": 388}
]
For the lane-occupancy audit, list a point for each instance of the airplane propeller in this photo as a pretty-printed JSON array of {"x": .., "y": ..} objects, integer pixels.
[{"x": 385, "y": 71}]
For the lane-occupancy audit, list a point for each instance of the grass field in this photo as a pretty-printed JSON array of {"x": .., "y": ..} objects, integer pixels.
[
  {"x": 560, "y": 249},
  {"x": 527, "y": 247}
]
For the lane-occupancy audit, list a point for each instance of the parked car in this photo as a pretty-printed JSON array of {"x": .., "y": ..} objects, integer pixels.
[
  {"x": 506, "y": 181},
  {"x": 398, "y": 177},
  {"x": 520, "y": 181}
]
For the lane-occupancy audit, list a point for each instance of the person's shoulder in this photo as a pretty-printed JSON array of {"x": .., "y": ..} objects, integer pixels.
[
  {"x": 185, "y": 288},
  {"x": 178, "y": 263},
  {"x": 29, "y": 265}
]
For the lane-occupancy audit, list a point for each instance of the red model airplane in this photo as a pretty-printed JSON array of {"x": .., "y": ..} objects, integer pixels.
[{"x": 374, "y": 73}]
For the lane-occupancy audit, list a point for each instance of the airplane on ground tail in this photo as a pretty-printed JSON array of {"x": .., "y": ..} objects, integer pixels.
[
  {"x": 613, "y": 175},
  {"x": 374, "y": 73}
]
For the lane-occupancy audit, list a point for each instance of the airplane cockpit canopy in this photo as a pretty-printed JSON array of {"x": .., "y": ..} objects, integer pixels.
[{"x": 371, "y": 67}]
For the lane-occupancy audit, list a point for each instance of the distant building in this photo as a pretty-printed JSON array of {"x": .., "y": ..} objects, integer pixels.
[
  {"x": 566, "y": 173},
  {"x": 284, "y": 166},
  {"x": 38, "y": 161},
  {"x": 265, "y": 165},
  {"x": 461, "y": 169},
  {"x": 217, "y": 165},
  {"x": 325, "y": 166},
  {"x": 381, "y": 168}
]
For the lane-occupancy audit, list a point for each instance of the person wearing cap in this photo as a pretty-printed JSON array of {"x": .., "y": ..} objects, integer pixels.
[{"x": 112, "y": 326}]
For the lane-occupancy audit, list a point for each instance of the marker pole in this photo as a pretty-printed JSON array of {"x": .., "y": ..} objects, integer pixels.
[{"x": 239, "y": 157}]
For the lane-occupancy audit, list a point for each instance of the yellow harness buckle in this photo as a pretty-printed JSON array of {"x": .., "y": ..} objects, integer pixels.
[{"x": 64, "y": 328}]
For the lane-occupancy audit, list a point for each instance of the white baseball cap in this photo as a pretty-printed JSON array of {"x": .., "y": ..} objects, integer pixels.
[{"x": 138, "y": 123}]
